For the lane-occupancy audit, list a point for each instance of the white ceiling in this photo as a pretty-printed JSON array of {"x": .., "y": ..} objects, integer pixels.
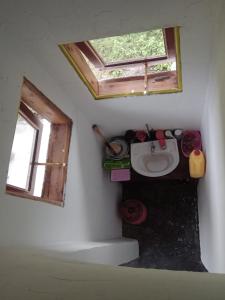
[{"x": 39, "y": 26}]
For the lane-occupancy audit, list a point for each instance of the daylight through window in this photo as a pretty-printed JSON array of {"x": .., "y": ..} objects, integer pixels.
[
  {"x": 39, "y": 155},
  {"x": 131, "y": 64}
]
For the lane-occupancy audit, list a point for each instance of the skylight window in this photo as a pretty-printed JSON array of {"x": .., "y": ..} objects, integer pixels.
[
  {"x": 134, "y": 46},
  {"x": 131, "y": 64}
]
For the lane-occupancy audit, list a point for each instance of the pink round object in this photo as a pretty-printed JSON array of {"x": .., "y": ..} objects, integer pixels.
[
  {"x": 141, "y": 135},
  {"x": 133, "y": 212},
  {"x": 191, "y": 140}
]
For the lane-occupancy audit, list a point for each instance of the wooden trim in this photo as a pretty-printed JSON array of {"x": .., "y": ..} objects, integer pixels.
[
  {"x": 163, "y": 80},
  {"x": 78, "y": 70},
  {"x": 178, "y": 58},
  {"x": 124, "y": 95},
  {"x": 107, "y": 88},
  {"x": 24, "y": 194},
  {"x": 29, "y": 116},
  {"x": 34, "y": 98},
  {"x": 11, "y": 187},
  {"x": 138, "y": 61},
  {"x": 81, "y": 66},
  {"x": 170, "y": 43},
  {"x": 58, "y": 151},
  {"x": 50, "y": 164},
  {"x": 90, "y": 53}
]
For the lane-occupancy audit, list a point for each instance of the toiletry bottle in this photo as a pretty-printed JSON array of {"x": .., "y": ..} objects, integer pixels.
[
  {"x": 168, "y": 134},
  {"x": 197, "y": 164},
  {"x": 178, "y": 133}
]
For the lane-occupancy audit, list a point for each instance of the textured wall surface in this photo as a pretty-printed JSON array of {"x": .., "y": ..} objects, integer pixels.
[
  {"x": 30, "y": 32},
  {"x": 211, "y": 189},
  {"x": 41, "y": 27},
  {"x": 90, "y": 211}
]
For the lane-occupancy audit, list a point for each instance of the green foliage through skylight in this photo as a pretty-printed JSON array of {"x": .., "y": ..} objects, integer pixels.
[{"x": 132, "y": 46}]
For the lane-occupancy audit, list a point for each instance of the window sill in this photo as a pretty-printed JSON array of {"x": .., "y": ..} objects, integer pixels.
[{"x": 24, "y": 194}]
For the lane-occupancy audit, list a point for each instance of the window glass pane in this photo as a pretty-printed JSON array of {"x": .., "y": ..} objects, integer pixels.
[
  {"x": 162, "y": 67},
  {"x": 114, "y": 73},
  {"x": 40, "y": 170},
  {"x": 40, "y": 175},
  {"x": 44, "y": 140},
  {"x": 132, "y": 46},
  {"x": 21, "y": 154},
  {"x": 128, "y": 71}
]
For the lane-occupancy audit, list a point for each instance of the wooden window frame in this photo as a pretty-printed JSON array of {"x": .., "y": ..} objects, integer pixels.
[
  {"x": 58, "y": 149},
  {"x": 156, "y": 83},
  {"x": 89, "y": 51}
]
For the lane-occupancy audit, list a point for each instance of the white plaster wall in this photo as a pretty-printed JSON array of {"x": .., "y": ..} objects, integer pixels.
[
  {"x": 41, "y": 25},
  {"x": 109, "y": 252},
  {"x": 212, "y": 189},
  {"x": 29, "y": 34},
  {"x": 90, "y": 211}
]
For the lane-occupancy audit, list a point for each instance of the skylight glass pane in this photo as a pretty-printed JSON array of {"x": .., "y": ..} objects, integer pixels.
[
  {"x": 114, "y": 73},
  {"x": 129, "y": 70},
  {"x": 132, "y": 46},
  {"x": 161, "y": 67}
]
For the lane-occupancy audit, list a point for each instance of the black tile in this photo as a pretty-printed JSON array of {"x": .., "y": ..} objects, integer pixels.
[{"x": 169, "y": 238}]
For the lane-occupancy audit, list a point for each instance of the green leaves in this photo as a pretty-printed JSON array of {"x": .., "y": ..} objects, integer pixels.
[{"x": 132, "y": 46}]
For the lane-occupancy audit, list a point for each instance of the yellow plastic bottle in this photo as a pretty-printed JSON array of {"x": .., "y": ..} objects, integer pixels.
[{"x": 197, "y": 164}]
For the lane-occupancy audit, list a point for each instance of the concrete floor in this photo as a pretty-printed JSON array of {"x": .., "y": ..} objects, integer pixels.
[{"x": 29, "y": 275}]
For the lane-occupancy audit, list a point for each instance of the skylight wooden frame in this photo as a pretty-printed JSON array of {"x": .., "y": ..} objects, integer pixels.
[
  {"x": 58, "y": 149},
  {"x": 122, "y": 87},
  {"x": 93, "y": 56}
]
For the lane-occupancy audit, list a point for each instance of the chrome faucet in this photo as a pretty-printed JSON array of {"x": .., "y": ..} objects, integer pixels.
[{"x": 152, "y": 147}]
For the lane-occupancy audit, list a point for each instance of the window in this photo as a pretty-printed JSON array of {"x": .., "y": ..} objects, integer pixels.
[
  {"x": 38, "y": 162},
  {"x": 132, "y": 64}
]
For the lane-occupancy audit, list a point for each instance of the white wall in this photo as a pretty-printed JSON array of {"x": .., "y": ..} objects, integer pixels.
[
  {"x": 90, "y": 211},
  {"x": 212, "y": 189},
  {"x": 41, "y": 27},
  {"x": 29, "y": 34},
  {"x": 109, "y": 252}
]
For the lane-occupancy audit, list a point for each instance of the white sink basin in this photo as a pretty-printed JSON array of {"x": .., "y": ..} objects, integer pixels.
[{"x": 150, "y": 160}]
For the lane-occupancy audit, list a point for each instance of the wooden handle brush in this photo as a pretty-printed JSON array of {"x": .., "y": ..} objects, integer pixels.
[{"x": 114, "y": 148}]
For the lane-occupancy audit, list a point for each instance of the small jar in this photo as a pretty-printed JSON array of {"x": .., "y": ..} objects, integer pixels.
[
  {"x": 168, "y": 134},
  {"x": 178, "y": 133}
]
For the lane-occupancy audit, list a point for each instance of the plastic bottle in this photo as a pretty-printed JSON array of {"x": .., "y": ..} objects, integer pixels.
[
  {"x": 197, "y": 164},
  {"x": 168, "y": 134},
  {"x": 178, "y": 133}
]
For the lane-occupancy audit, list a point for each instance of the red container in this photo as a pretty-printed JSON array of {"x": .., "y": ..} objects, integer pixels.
[
  {"x": 133, "y": 212},
  {"x": 191, "y": 140}
]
